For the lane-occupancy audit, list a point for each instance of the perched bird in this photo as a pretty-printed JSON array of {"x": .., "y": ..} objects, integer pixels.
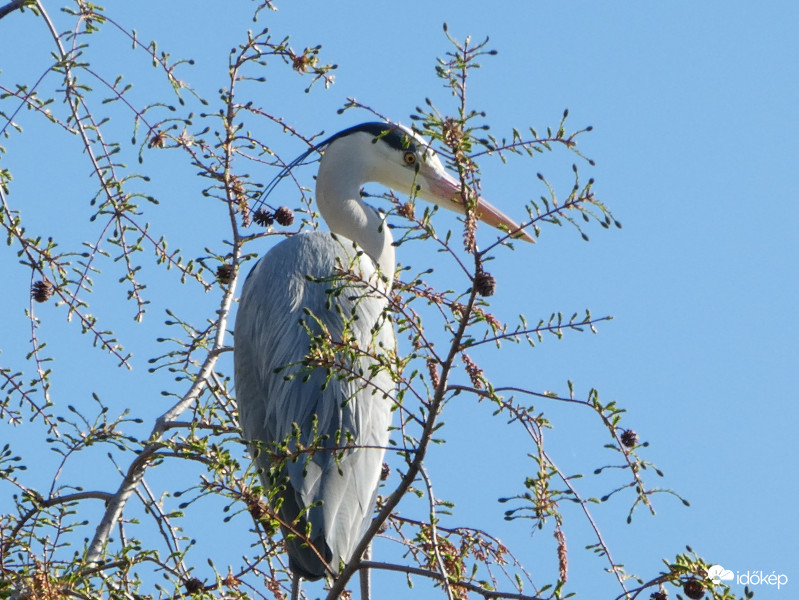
[{"x": 314, "y": 401}]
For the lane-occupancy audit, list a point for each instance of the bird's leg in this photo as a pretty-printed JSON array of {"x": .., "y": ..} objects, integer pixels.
[
  {"x": 365, "y": 575},
  {"x": 296, "y": 582}
]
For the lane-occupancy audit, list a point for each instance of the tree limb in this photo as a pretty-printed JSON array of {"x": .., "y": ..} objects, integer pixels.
[
  {"x": 11, "y": 7},
  {"x": 415, "y": 466}
]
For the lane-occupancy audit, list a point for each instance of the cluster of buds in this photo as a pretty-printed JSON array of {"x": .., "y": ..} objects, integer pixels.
[
  {"x": 475, "y": 373},
  {"x": 230, "y": 581},
  {"x": 451, "y": 558},
  {"x": 237, "y": 188},
  {"x": 432, "y": 369},
  {"x": 470, "y": 225},
  {"x": 406, "y": 210},
  {"x": 274, "y": 586},
  {"x": 157, "y": 140},
  {"x": 563, "y": 555},
  {"x": 237, "y": 194},
  {"x": 305, "y": 61},
  {"x": 453, "y": 136},
  {"x": 452, "y": 132},
  {"x": 42, "y": 586}
]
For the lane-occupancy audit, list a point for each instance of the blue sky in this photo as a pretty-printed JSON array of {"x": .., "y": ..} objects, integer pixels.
[{"x": 694, "y": 109}]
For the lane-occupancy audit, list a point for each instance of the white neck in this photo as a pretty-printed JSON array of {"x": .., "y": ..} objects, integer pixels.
[{"x": 338, "y": 186}]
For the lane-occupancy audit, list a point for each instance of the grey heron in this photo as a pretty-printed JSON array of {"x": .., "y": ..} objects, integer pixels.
[{"x": 334, "y": 429}]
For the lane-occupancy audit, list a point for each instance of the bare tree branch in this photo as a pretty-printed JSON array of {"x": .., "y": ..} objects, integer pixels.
[
  {"x": 410, "y": 570},
  {"x": 11, "y": 7}
]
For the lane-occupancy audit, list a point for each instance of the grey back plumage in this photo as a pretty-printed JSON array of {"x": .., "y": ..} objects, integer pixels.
[{"x": 340, "y": 416}]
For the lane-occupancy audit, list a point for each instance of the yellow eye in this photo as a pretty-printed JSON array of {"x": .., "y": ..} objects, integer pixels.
[{"x": 409, "y": 158}]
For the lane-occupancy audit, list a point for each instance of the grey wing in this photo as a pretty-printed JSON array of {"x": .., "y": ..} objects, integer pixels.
[{"x": 276, "y": 391}]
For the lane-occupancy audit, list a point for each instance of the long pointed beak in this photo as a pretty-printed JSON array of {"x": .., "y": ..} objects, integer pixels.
[{"x": 447, "y": 194}]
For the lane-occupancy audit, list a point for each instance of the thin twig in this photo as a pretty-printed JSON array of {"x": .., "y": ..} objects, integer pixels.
[
  {"x": 434, "y": 534},
  {"x": 485, "y": 593}
]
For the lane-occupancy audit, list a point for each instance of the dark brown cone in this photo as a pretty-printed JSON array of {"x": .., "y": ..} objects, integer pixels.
[
  {"x": 484, "y": 283},
  {"x": 41, "y": 291},
  {"x": 694, "y": 589},
  {"x": 264, "y": 218},
  {"x": 224, "y": 274},
  {"x": 284, "y": 215},
  {"x": 629, "y": 438}
]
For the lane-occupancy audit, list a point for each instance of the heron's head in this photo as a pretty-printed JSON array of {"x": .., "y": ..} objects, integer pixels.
[{"x": 398, "y": 158}]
